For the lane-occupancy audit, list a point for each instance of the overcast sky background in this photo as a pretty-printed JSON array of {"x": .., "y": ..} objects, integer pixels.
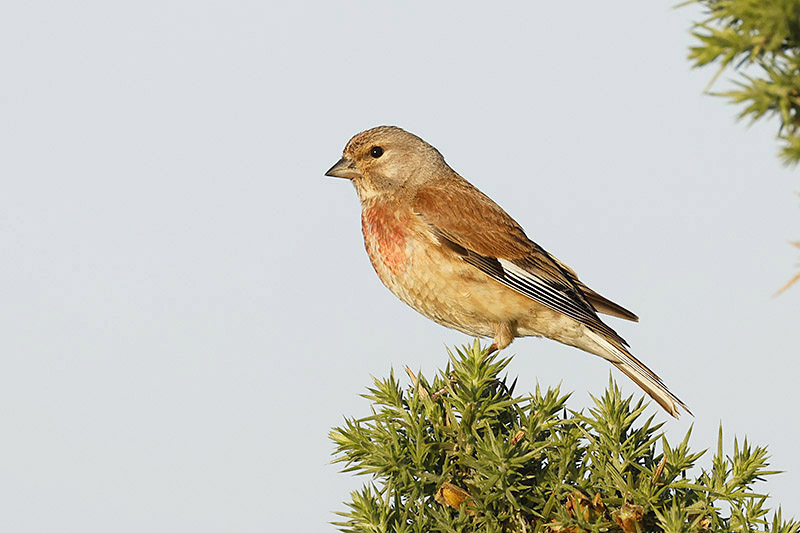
[{"x": 186, "y": 307}]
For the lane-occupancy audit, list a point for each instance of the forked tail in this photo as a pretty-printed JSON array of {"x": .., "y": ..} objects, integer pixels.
[{"x": 639, "y": 373}]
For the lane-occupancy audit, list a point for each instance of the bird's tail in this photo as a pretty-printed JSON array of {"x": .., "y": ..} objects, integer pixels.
[{"x": 639, "y": 373}]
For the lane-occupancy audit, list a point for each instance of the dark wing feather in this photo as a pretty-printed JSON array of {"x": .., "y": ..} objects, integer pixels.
[{"x": 598, "y": 301}]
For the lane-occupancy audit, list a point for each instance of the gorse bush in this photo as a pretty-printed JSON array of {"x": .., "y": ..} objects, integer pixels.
[{"x": 464, "y": 453}]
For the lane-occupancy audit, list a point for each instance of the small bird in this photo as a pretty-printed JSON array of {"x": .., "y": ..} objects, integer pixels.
[{"x": 451, "y": 253}]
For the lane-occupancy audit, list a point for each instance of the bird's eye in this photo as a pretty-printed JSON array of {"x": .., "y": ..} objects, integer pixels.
[{"x": 376, "y": 151}]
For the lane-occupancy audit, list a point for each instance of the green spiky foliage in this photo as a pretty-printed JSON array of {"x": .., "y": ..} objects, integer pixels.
[
  {"x": 764, "y": 35},
  {"x": 760, "y": 41},
  {"x": 463, "y": 452}
]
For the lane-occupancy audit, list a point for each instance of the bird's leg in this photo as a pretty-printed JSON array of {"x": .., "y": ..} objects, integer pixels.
[{"x": 503, "y": 335}]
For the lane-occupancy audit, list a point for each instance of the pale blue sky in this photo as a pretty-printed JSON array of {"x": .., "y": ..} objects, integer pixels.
[{"x": 187, "y": 307}]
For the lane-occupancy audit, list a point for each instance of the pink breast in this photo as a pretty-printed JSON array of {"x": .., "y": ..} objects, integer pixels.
[{"x": 385, "y": 239}]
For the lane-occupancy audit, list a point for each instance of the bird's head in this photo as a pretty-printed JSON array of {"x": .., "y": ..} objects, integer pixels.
[{"x": 386, "y": 159}]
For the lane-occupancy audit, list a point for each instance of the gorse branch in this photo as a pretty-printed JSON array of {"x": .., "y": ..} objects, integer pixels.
[
  {"x": 764, "y": 34},
  {"x": 464, "y": 453}
]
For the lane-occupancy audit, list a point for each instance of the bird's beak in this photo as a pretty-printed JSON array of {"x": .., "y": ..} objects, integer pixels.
[{"x": 344, "y": 168}]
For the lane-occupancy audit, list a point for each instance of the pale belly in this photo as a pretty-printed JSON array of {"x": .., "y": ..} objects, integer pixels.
[{"x": 437, "y": 283}]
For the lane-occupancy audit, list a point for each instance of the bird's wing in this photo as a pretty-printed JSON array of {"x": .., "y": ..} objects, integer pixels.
[
  {"x": 604, "y": 305},
  {"x": 599, "y": 302},
  {"x": 471, "y": 224}
]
